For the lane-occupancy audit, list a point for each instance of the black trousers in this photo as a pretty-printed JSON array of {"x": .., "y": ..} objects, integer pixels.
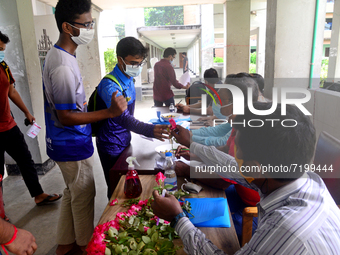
[
  {"x": 167, "y": 102},
  {"x": 108, "y": 162},
  {"x": 13, "y": 142}
]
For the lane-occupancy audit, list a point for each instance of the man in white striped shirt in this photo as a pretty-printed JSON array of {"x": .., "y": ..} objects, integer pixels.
[{"x": 297, "y": 215}]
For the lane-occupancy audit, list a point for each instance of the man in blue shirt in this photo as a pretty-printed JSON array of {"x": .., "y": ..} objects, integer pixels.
[{"x": 114, "y": 134}]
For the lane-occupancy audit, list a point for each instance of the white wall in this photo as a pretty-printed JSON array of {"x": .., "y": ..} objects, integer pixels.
[
  {"x": 46, "y": 22},
  {"x": 324, "y": 107},
  {"x": 40, "y": 8},
  {"x": 16, "y": 19}
]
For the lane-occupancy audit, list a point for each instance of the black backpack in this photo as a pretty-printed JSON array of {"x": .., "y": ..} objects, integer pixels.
[
  {"x": 96, "y": 103},
  {"x": 195, "y": 91}
]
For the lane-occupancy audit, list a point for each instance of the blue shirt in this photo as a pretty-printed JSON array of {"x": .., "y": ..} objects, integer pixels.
[
  {"x": 64, "y": 90},
  {"x": 212, "y": 136},
  {"x": 114, "y": 134}
]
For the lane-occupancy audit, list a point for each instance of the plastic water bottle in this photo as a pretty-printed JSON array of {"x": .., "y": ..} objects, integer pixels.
[
  {"x": 169, "y": 172},
  {"x": 172, "y": 107}
]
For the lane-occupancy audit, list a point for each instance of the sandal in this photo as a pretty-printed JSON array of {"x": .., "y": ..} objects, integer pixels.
[{"x": 48, "y": 200}]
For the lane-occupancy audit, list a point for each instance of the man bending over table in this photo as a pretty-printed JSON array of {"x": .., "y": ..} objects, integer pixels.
[{"x": 297, "y": 215}]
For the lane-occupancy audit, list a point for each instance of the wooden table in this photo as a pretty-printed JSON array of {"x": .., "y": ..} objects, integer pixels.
[
  {"x": 223, "y": 238},
  {"x": 141, "y": 148}
]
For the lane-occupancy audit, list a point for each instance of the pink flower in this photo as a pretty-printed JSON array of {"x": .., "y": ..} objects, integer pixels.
[
  {"x": 141, "y": 202},
  {"x": 146, "y": 229},
  {"x": 160, "y": 177},
  {"x": 114, "y": 202},
  {"x": 172, "y": 123},
  {"x": 166, "y": 222}
]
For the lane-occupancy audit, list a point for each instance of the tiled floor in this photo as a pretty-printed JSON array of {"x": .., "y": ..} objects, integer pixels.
[{"x": 42, "y": 221}]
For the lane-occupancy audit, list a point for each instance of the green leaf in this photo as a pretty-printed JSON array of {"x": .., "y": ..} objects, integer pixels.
[
  {"x": 146, "y": 239},
  {"x": 107, "y": 251},
  {"x": 154, "y": 237},
  {"x": 168, "y": 186}
]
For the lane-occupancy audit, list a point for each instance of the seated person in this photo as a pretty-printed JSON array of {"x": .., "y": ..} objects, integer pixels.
[
  {"x": 297, "y": 214},
  {"x": 114, "y": 135},
  {"x": 210, "y": 79},
  {"x": 239, "y": 196}
]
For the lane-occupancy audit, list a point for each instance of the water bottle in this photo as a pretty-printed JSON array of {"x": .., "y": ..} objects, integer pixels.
[
  {"x": 172, "y": 107},
  {"x": 169, "y": 172}
]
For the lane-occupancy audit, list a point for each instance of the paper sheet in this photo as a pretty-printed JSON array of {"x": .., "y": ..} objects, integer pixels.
[{"x": 184, "y": 79}]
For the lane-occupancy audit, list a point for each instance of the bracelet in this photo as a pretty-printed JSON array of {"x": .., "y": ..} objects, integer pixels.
[{"x": 10, "y": 241}]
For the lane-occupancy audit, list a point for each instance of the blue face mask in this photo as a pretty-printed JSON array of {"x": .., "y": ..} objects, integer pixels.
[
  {"x": 133, "y": 71},
  {"x": 2, "y": 55}
]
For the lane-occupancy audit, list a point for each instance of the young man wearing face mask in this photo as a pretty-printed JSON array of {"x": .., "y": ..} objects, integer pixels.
[
  {"x": 68, "y": 134},
  {"x": 12, "y": 140},
  {"x": 114, "y": 134},
  {"x": 165, "y": 76}
]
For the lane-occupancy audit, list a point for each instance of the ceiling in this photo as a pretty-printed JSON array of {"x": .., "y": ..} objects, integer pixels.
[
  {"x": 111, "y": 4},
  {"x": 165, "y": 36}
]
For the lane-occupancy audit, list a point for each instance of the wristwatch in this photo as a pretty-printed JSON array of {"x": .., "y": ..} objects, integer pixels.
[{"x": 176, "y": 219}]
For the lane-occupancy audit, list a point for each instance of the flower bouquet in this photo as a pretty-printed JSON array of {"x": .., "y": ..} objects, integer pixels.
[{"x": 137, "y": 231}]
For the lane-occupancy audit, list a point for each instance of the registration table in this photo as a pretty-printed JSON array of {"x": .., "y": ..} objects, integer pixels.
[
  {"x": 142, "y": 148},
  {"x": 223, "y": 238}
]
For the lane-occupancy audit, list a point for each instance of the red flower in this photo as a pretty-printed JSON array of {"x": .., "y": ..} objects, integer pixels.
[
  {"x": 114, "y": 202},
  {"x": 160, "y": 177}
]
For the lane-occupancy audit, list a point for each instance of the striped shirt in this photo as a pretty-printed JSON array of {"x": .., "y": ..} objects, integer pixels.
[{"x": 298, "y": 218}]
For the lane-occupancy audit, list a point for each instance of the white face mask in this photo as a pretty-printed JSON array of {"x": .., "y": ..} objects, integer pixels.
[
  {"x": 226, "y": 117},
  {"x": 132, "y": 71},
  {"x": 85, "y": 36}
]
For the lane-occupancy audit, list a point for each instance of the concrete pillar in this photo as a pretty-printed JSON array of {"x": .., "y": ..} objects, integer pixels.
[
  {"x": 89, "y": 59},
  {"x": 258, "y": 22},
  {"x": 289, "y": 37},
  {"x": 334, "y": 51},
  {"x": 237, "y": 30},
  {"x": 131, "y": 25},
  {"x": 207, "y": 38},
  {"x": 16, "y": 19}
]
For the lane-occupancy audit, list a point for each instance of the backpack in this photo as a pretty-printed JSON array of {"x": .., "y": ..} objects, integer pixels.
[{"x": 96, "y": 103}]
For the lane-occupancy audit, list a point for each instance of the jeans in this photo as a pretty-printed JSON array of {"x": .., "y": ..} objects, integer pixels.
[
  {"x": 13, "y": 142},
  {"x": 167, "y": 102}
]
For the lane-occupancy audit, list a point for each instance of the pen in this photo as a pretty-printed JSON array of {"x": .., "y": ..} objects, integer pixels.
[{"x": 179, "y": 101}]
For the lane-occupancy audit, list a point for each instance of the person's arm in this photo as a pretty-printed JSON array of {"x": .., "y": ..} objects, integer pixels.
[
  {"x": 172, "y": 78},
  {"x": 126, "y": 120},
  {"x": 71, "y": 118},
  {"x": 16, "y": 99},
  {"x": 218, "y": 131},
  {"x": 65, "y": 85},
  {"x": 24, "y": 243},
  {"x": 194, "y": 240}
]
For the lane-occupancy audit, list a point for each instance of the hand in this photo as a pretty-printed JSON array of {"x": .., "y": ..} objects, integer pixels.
[
  {"x": 184, "y": 152},
  {"x": 183, "y": 108},
  {"x": 30, "y": 118},
  {"x": 166, "y": 208},
  {"x": 24, "y": 243},
  {"x": 160, "y": 130},
  {"x": 179, "y": 106},
  {"x": 187, "y": 86},
  {"x": 118, "y": 105},
  {"x": 183, "y": 136}
]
